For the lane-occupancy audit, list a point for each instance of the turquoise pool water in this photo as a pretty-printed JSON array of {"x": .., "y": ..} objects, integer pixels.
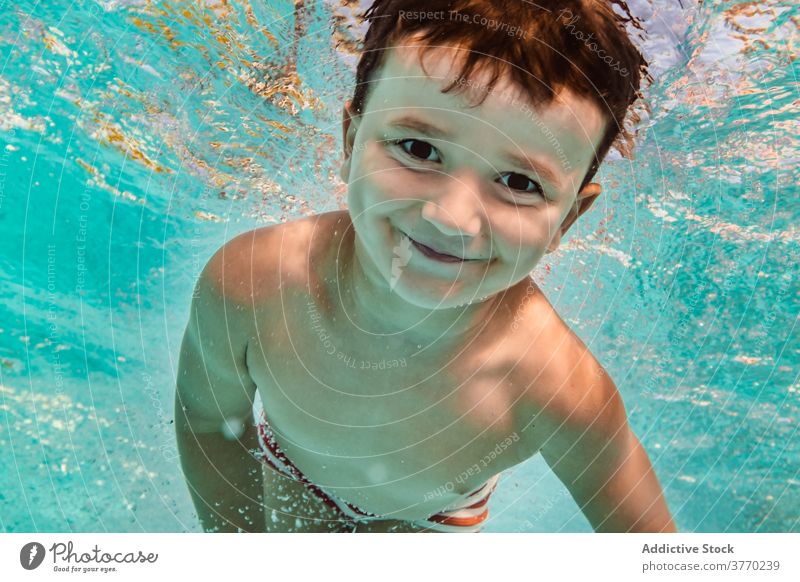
[{"x": 136, "y": 136}]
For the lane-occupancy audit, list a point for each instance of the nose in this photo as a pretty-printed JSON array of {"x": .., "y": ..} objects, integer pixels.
[{"x": 457, "y": 210}]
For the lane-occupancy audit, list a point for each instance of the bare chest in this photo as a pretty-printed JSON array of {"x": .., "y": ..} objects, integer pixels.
[{"x": 393, "y": 428}]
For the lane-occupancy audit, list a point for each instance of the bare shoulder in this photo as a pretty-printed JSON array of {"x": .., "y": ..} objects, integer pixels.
[
  {"x": 249, "y": 269},
  {"x": 237, "y": 270},
  {"x": 564, "y": 386}
]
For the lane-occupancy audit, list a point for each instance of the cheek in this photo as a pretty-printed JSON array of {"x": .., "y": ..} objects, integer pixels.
[
  {"x": 528, "y": 229},
  {"x": 387, "y": 185}
]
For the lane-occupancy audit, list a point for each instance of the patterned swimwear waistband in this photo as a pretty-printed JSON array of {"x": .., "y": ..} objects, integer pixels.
[{"x": 467, "y": 516}]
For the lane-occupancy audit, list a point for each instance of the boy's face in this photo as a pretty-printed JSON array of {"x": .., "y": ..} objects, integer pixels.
[{"x": 424, "y": 167}]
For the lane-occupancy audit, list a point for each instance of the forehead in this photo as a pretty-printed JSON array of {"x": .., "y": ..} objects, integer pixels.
[{"x": 567, "y": 130}]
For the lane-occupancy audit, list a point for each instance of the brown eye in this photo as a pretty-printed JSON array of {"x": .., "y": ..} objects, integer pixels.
[
  {"x": 417, "y": 149},
  {"x": 521, "y": 183}
]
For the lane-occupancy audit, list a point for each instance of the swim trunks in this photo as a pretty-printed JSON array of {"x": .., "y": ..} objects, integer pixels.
[{"x": 467, "y": 516}]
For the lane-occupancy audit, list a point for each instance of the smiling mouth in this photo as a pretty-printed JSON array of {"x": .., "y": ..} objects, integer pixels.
[{"x": 435, "y": 255}]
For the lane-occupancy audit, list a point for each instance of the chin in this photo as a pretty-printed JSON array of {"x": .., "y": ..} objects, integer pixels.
[
  {"x": 430, "y": 302},
  {"x": 420, "y": 290}
]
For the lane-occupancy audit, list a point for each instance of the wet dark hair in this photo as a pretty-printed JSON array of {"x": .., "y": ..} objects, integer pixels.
[{"x": 543, "y": 46}]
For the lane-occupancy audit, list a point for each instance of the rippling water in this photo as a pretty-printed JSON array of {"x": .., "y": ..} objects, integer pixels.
[{"x": 136, "y": 136}]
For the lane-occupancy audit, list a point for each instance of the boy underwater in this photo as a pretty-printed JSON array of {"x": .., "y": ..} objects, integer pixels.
[{"x": 403, "y": 355}]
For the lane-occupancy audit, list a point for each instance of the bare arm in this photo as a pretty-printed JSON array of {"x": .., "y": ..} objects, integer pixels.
[
  {"x": 214, "y": 387},
  {"x": 606, "y": 469},
  {"x": 223, "y": 478}
]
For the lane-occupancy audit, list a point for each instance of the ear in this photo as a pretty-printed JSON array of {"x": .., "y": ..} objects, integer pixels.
[
  {"x": 349, "y": 127},
  {"x": 583, "y": 202}
]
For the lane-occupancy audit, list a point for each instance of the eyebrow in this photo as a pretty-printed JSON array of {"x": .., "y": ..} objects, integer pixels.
[
  {"x": 422, "y": 127},
  {"x": 523, "y": 161},
  {"x": 534, "y": 166}
]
